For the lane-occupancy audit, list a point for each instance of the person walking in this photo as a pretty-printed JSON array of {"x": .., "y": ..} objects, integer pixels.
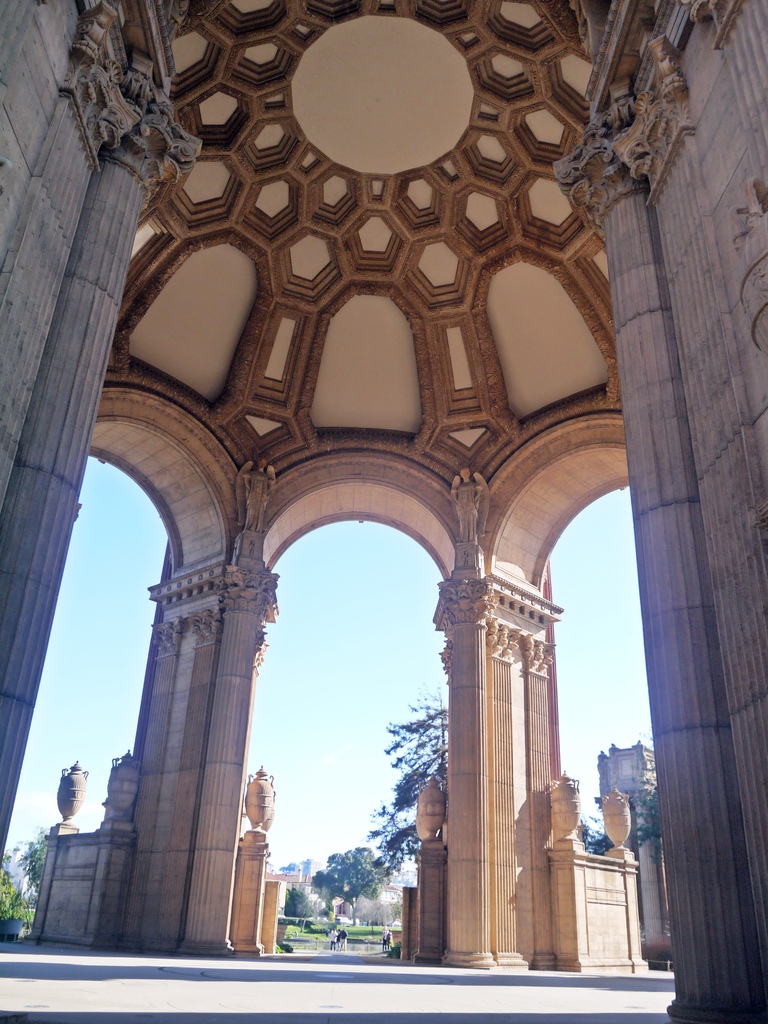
[
  {"x": 343, "y": 939},
  {"x": 334, "y": 938}
]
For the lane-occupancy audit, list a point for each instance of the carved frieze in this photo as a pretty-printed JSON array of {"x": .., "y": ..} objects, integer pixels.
[
  {"x": 253, "y": 592},
  {"x": 167, "y": 637},
  {"x": 752, "y": 243}
]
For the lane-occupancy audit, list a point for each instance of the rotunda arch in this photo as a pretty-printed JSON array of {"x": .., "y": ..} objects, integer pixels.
[
  {"x": 185, "y": 472},
  {"x": 381, "y": 489},
  {"x": 536, "y": 495}
]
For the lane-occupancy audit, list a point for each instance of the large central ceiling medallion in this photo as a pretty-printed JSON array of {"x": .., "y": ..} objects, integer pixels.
[{"x": 383, "y": 95}]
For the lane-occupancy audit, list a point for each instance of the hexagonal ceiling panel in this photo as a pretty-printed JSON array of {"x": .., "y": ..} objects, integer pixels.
[{"x": 385, "y": 174}]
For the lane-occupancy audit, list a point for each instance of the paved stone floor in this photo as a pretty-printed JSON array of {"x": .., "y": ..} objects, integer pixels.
[{"x": 55, "y": 986}]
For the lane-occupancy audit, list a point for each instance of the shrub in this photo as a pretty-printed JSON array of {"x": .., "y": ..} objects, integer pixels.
[
  {"x": 285, "y": 948},
  {"x": 394, "y": 952}
]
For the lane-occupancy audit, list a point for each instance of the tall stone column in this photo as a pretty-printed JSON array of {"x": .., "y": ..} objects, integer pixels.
[
  {"x": 462, "y": 610},
  {"x": 507, "y": 774},
  {"x": 713, "y": 928},
  {"x": 50, "y": 460},
  {"x": 537, "y": 656},
  {"x": 248, "y": 603}
]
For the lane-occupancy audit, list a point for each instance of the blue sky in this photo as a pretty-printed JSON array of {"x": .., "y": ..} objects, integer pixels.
[{"x": 353, "y": 646}]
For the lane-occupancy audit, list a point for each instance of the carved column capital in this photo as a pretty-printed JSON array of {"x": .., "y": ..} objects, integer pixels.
[
  {"x": 93, "y": 82},
  {"x": 592, "y": 175},
  {"x": 166, "y": 637},
  {"x": 446, "y": 655},
  {"x": 207, "y": 626},
  {"x": 464, "y": 601},
  {"x": 156, "y": 149},
  {"x": 661, "y": 118},
  {"x": 253, "y": 592}
]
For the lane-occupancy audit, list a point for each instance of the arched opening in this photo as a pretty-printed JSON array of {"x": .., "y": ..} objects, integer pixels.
[{"x": 351, "y": 650}]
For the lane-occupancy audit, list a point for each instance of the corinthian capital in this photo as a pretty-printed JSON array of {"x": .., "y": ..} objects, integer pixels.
[
  {"x": 156, "y": 149},
  {"x": 93, "y": 81},
  {"x": 463, "y": 601},
  {"x": 253, "y": 592},
  {"x": 592, "y": 175},
  {"x": 207, "y": 626},
  {"x": 649, "y": 145},
  {"x": 167, "y": 637}
]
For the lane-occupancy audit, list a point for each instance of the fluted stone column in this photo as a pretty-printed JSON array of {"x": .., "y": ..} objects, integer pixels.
[
  {"x": 248, "y": 602},
  {"x": 49, "y": 464},
  {"x": 140, "y": 897},
  {"x": 714, "y": 937},
  {"x": 536, "y": 658},
  {"x": 461, "y": 612},
  {"x": 42, "y": 494}
]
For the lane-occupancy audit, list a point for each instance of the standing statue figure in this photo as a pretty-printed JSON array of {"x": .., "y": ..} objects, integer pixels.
[
  {"x": 252, "y": 490},
  {"x": 471, "y": 499}
]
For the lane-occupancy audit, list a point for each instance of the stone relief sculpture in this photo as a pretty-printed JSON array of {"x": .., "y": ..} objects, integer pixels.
[
  {"x": 471, "y": 500},
  {"x": 252, "y": 490}
]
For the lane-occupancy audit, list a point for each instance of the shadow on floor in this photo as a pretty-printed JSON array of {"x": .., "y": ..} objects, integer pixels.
[{"x": 102, "y": 1017}]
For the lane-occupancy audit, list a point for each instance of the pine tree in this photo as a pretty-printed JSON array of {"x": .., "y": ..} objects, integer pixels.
[{"x": 420, "y": 749}]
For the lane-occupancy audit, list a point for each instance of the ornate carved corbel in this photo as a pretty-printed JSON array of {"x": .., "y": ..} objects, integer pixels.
[
  {"x": 661, "y": 118},
  {"x": 722, "y": 12}
]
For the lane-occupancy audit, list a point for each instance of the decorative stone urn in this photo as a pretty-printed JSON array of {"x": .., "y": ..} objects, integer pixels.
[
  {"x": 430, "y": 810},
  {"x": 260, "y": 800},
  {"x": 617, "y": 817},
  {"x": 122, "y": 788},
  {"x": 71, "y": 793},
  {"x": 566, "y": 808}
]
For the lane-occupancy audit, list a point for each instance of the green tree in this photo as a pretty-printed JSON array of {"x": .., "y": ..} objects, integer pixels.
[
  {"x": 593, "y": 836},
  {"x": 298, "y": 904},
  {"x": 351, "y": 875},
  {"x": 32, "y": 861},
  {"x": 645, "y": 804},
  {"x": 420, "y": 749},
  {"x": 13, "y": 906}
]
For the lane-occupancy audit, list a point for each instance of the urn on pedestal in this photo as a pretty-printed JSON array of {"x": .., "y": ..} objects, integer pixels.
[
  {"x": 617, "y": 818},
  {"x": 566, "y": 809},
  {"x": 430, "y": 810},
  {"x": 122, "y": 788},
  {"x": 71, "y": 793},
  {"x": 260, "y": 800}
]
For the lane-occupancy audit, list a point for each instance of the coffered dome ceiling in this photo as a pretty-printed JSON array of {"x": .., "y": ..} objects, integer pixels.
[{"x": 372, "y": 251}]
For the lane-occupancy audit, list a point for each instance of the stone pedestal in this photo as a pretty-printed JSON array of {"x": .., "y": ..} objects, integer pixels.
[
  {"x": 594, "y": 909},
  {"x": 84, "y": 878},
  {"x": 270, "y": 915},
  {"x": 431, "y": 860},
  {"x": 249, "y": 894},
  {"x": 409, "y": 939}
]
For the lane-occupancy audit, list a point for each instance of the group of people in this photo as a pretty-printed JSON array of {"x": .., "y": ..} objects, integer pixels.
[
  {"x": 386, "y": 938},
  {"x": 339, "y": 938}
]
